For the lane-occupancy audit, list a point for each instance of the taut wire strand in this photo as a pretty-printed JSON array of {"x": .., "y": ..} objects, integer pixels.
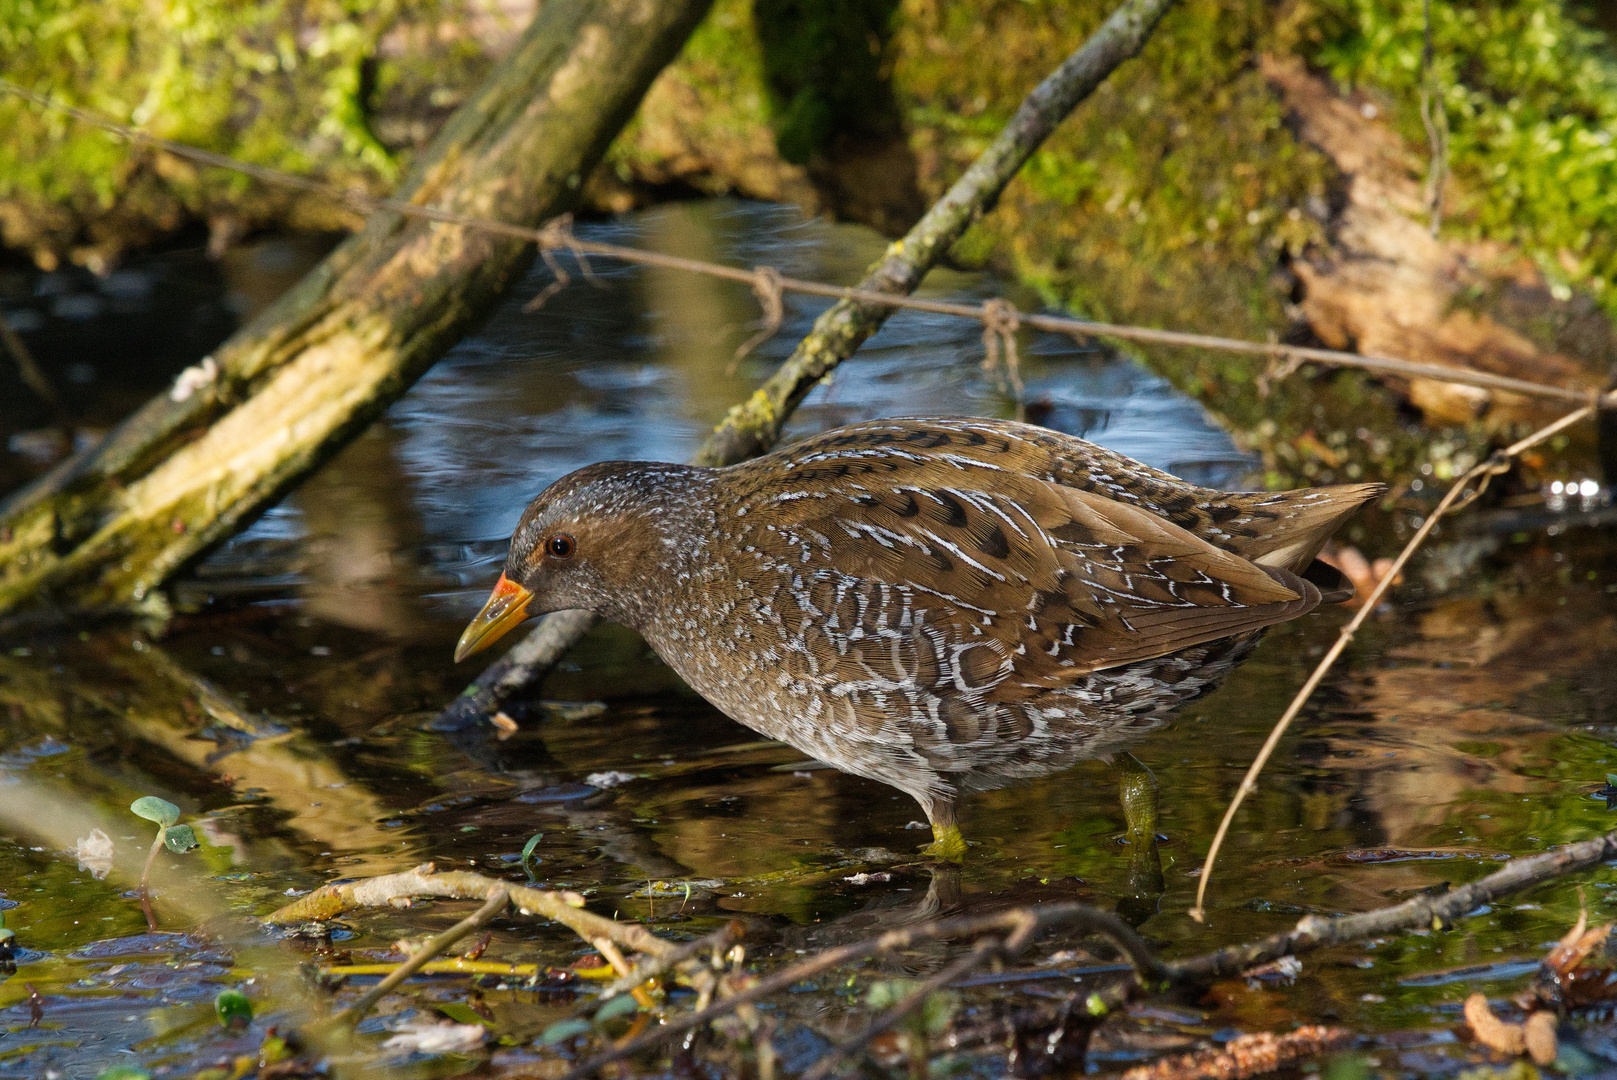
[{"x": 550, "y": 238}]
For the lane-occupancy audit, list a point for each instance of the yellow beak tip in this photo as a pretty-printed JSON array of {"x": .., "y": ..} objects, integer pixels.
[{"x": 507, "y": 605}]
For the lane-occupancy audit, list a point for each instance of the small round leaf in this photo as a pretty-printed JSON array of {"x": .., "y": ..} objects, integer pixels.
[
  {"x": 179, "y": 839},
  {"x": 152, "y": 808},
  {"x": 562, "y": 1030},
  {"x": 233, "y": 1008}
]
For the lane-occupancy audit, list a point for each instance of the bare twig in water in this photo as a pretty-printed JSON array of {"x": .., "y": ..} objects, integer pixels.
[
  {"x": 1460, "y": 494},
  {"x": 1315, "y": 932},
  {"x": 391, "y": 890},
  {"x": 498, "y": 901},
  {"x": 980, "y": 953},
  {"x": 32, "y": 375},
  {"x": 1021, "y": 923},
  {"x": 1018, "y": 925}
]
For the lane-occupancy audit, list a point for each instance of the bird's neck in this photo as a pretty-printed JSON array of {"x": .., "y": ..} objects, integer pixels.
[{"x": 667, "y": 521}]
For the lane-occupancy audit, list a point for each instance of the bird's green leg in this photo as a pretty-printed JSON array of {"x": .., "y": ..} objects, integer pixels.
[
  {"x": 947, "y": 844},
  {"x": 1137, "y": 789}
]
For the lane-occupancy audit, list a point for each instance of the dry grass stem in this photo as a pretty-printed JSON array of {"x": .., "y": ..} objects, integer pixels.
[{"x": 1459, "y": 494}]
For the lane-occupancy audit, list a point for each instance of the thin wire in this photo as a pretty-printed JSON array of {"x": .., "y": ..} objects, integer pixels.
[
  {"x": 552, "y": 238},
  {"x": 1485, "y": 470}
]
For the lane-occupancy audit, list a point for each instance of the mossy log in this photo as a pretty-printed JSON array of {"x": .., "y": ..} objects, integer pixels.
[{"x": 289, "y": 389}]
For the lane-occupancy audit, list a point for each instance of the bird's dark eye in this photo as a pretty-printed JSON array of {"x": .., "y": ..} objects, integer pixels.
[{"x": 560, "y": 546}]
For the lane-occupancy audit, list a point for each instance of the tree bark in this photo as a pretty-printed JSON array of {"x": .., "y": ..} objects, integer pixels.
[
  {"x": 288, "y": 390},
  {"x": 753, "y": 426}
]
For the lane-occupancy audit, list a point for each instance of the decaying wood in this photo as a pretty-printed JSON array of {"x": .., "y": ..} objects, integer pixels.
[
  {"x": 290, "y": 388},
  {"x": 1388, "y": 286},
  {"x": 753, "y": 426},
  {"x": 1246, "y": 1055}
]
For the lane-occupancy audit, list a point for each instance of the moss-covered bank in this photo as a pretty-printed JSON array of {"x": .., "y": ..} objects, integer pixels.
[{"x": 1178, "y": 196}]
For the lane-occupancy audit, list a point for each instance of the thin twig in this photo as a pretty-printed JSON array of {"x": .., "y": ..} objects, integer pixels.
[
  {"x": 498, "y": 901},
  {"x": 768, "y": 288},
  {"x": 839, "y": 1058},
  {"x": 1147, "y": 968},
  {"x": 1485, "y": 470},
  {"x": 27, "y": 366},
  {"x": 649, "y": 969}
]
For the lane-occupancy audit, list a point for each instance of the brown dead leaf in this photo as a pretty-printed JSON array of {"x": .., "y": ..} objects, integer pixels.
[
  {"x": 1491, "y": 1031},
  {"x": 1539, "y": 1035}
]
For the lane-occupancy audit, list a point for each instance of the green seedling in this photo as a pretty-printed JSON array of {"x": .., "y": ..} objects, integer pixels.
[
  {"x": 233, "y": 1009},
  {"x": 527, "y": 853},
  {"x": 177, "y": 838}
]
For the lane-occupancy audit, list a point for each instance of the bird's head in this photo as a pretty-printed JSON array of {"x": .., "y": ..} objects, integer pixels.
[{"x": 586, "y": 542}]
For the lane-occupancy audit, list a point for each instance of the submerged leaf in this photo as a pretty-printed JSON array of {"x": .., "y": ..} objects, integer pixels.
[
  {"x": 152, "y": 808},
  {"x": 562, "y": 1030}
]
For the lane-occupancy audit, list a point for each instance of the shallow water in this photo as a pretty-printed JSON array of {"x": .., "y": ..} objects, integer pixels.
[{"x": 285, "y": 712}]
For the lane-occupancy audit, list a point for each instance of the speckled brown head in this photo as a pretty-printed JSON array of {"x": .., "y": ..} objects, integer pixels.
[
  {"x": 590, "y": 540},
  {"x": 941, "y": 604}
]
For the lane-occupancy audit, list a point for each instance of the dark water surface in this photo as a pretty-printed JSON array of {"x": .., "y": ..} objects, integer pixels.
[{"x": 284, "y": 711}]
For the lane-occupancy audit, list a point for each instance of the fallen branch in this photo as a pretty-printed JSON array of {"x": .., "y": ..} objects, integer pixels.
[
  {"x": 1484, "y": 471},
  {"x": 394, "y": 890},
  {"x": 242, "y": 426},
  {"x": 754, "y": 426}
]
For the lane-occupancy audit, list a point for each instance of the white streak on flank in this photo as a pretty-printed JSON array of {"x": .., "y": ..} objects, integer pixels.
[{"x": 941, "y": 542}]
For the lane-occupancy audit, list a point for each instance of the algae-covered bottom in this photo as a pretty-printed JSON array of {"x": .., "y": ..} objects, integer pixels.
[{"x": 286, "y": 711}]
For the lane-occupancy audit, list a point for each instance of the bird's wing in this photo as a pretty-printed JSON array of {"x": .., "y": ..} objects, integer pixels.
[{"x": 1026, "y": 582}]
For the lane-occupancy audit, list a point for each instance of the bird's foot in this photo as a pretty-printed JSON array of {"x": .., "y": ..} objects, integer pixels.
[{"x": 947, "y": 844}]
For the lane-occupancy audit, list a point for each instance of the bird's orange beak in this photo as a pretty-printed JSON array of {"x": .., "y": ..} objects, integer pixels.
[{"x": 507, "y": 605}]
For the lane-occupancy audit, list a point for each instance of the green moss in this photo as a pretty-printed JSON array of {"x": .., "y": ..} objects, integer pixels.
[
  {"x": 294, "y": 85},
  {"x": 1530, "y": 92}
]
